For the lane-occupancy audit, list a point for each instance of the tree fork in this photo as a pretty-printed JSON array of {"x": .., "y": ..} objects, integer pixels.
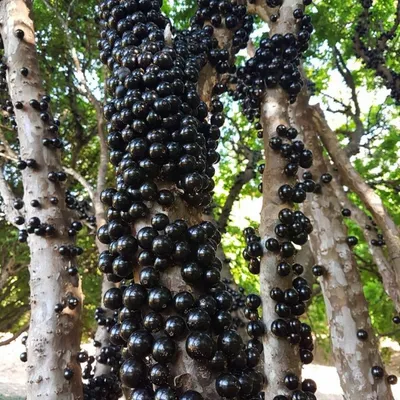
[{"x": 54, "y": 340}]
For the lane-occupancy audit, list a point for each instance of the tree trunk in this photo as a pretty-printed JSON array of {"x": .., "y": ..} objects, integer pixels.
[
  {"x": 280, "y": 356},
  {"x": 354, "y": 181},
  {"x": 346, "y": 307},
  {"x": 385, "y": 269},
  {"x": 54, "y": 339}
]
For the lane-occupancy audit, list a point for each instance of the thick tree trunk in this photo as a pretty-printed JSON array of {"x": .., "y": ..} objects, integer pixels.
[
  {"x": 346, "y": 307},
  {"x": 54, "y": 339},
  {"x": 280, "y": 356}
]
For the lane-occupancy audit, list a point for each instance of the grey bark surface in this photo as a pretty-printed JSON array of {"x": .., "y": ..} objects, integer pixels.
[
  {"x": 385, "y": 269},
  {"x": 346, "y": 306},
  {"x": 54, "y": 340},
  {"x": 351, "y": 178},
  {"x": 279, "y": 356}
]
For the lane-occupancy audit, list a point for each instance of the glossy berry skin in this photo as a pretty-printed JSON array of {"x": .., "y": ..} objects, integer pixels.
[
  {"x": 392, "y": 379},
  {"x": 183, "y": 301},
  {"x": 113, "y": 299},
  {"x": 253, "y": 301},
  {"x": 308, "y": 385},
  {"x": 23, "y": 356},
  {"x": 377, "y": 372},
  {"x": 272, "y": 244},
  {"x": 159, "y": 298},
  {"x": 306, "y": 356},
  {"x": 140, "y": 344},
  {"x": 134, "y": 297},
  {"x": 396, "y": 319},
  {"x": 198, "y": 320},
  {"x": 164, "y": 350},
  {"x": 200, "y": 346},
  {"x": 191, "y": 395},
  {"x": 279, "y": 328},
  {"x": 346, "y": 212},
  {"x": 132, "y": 372},
  {"x": 230, "y": 343},
  {"x": 291, "y": 381},
  {"x": 255, "y": 329},
  {"x": 175, "y": 326},
  {"x": 362, "y": 334},
  {"x": 164, "y": 393},
  {"x": 227, "y": 385},
  {"x": 326, "y": 178},
  {"x": 351, "y": 241},
  {"x": 318, "y": 270},
  {"x": 19, "y": 33},
  {"x": 159, "y": 374}
]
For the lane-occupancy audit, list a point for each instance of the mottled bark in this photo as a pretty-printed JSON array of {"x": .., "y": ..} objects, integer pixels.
[
  {"x": 346, "y": 306},
  {"x": 385, "y": 269},
  {"x": 351, "y": 178},
  {"x": 54, "y": 340},
  {"x": 279, "y": 356}
]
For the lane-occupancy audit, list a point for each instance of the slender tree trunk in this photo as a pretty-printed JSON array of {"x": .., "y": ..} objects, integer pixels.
[
  {"x": 280, "y": 356},
  {"x": 385, "y": 269},
  {"x": 354, "y": 181},
  {"x": 54, "y": 339},
  {"x": 346, "y": 307}
]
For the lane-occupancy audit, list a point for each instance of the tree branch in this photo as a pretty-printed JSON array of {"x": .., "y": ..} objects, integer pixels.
[
  {"x": 386, "y": 270},
  {"x": 354, "y": 146},
  {"x": 15, "y": 336},
  {"x": 8, "y": 198},
  {"x": 84, "y": 88},
  {"x": 79, "y": 178},
  {"x": 241, "y": 179},
  {"x": 346, "y": 306},
  {"x": 354, "y": 181}
]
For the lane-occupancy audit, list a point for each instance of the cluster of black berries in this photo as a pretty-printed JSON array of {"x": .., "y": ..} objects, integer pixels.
[
  {"x": 293, "y": 228},
  {"x": 82, "y": 207},
  {"x": 276, "y": 62},
  {"x": 232, "y": 17},
  {"x": 163, "y": 141},
  {"x": 296, "y": 155},
  {"x": 379, "y": 241},
  {"x": 373, "y": 48}
]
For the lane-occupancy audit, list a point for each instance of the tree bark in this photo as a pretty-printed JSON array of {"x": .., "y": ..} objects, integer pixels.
[
  {"x": 54, "y": 340},
  {"x": 354, "y": 181},
  {"x": 385, "y": 269},
  {"x": 279, "y": 356},
  {"x": 346, "y": 306}
]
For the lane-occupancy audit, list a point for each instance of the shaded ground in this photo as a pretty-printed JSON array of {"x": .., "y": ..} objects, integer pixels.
[{"x": 12, "y": 376}]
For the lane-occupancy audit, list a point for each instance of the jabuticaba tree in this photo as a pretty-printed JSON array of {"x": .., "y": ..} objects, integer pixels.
[
  {"x": 56, "y": 299},
  {"x": 163, "y": 136},
  {"x": 164, "y": 117},
  {"x": 354, "y": 343}
]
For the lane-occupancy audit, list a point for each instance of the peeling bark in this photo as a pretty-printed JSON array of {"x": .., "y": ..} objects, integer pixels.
[
  {"x": 346, "y": 306},
  {"x": 279, "y": 356},
  {"x": 54, "y": 340}
]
